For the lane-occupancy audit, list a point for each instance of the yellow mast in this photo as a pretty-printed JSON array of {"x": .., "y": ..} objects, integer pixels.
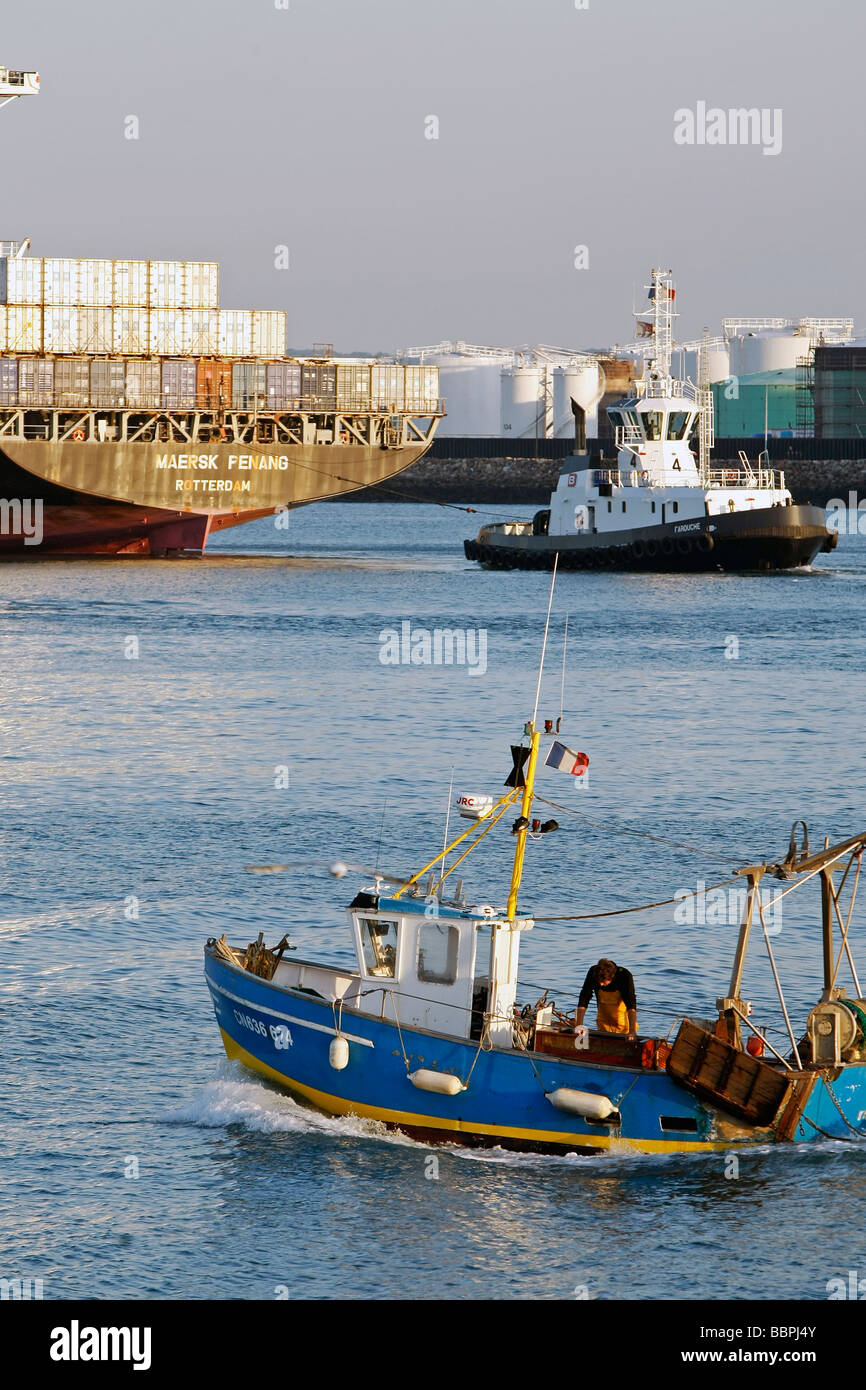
[
  {"x": 525, "y": 809},
  {"x": 534, "y": 739}
]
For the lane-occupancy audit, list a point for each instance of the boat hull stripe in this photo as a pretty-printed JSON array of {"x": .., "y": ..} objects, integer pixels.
[{"x": 290, "y": 1018}]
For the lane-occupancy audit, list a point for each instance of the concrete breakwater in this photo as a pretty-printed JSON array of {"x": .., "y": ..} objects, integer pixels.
[{"x": 529, "y": 482}]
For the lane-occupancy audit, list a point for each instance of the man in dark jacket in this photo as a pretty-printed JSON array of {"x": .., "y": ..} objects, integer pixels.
[{"x": 613, "y": 988}]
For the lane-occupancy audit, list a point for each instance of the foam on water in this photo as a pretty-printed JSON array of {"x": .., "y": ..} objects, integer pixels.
[{"x": 235, "y": 1099}]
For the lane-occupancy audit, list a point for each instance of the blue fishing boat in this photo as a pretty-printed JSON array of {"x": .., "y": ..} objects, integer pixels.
[{"x": 427, "y": 1035}]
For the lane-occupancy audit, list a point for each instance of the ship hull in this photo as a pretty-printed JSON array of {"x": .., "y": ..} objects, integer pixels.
[
  {"x": 284, "y": 1035},
  {"x": 155, "y": 499},
  {"x": 770, "y": 538}
]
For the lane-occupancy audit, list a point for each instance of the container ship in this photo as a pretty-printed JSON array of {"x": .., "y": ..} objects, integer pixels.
[{"x": 137, "y": 416}]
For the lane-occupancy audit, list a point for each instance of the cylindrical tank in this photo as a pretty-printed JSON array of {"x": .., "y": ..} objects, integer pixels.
[
  {"x": 583, "y": 384},
  {"x": 527, "y": 407},
  {"x": 685, "y": 363},
  {"x": 773, "y": 350},
  {"x": 471, "y": 389}
]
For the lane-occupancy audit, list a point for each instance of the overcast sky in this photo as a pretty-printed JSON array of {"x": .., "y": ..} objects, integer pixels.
[{"x": 307, "y": 127}]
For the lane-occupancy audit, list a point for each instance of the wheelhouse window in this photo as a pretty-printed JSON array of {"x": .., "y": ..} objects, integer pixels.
[
  {"x": 379, "y": 944},
  {"x": 676, "y": 506},
  {"x": 437, "y": 953},
  {"x": 678, "y": 421},
  {"x": 653, "y": 424}
]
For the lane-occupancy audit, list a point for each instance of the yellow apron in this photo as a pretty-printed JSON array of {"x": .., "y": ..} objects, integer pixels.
[{"x": 612, "y": 1014}]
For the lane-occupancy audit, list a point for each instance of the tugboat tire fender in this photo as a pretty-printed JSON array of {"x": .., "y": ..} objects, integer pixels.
[
  {"x": 652, "y": 549},
  {"x": 638, "y": 550},
  {"x": 668, "y": 545},
  {"x": 704, "y": 543},
  {"x": 684, "y": 545}
]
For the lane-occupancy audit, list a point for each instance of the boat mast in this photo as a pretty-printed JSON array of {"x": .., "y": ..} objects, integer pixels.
[{"x": 534, "y": 739}]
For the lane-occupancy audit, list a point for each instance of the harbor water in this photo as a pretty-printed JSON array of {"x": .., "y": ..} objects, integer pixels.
[{"x": 165, "y": 724}]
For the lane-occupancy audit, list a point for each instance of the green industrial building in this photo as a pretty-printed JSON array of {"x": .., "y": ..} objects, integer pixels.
[
  {"x": 747, "y": 405},
  {"x": 837, "y": 378}
]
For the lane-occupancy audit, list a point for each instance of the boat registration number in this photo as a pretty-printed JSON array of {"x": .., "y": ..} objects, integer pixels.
[{"x": 280, "y": 1034}]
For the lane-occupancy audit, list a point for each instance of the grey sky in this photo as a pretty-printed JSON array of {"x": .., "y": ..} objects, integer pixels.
[{"x": 305, "y": 127}]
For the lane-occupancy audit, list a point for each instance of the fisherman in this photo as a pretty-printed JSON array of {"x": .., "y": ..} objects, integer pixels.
[{"x": 613, "y": 987}]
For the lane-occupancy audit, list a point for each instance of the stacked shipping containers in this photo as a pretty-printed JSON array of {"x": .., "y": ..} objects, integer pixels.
[
  {"x": 150, "y": 335},
  {"x": 153, "y": 308}
]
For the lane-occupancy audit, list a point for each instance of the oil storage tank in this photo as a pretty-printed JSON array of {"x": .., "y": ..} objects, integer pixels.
[
  {"x": 582, "y": 383},
  {"x": 527, "y": 401}
]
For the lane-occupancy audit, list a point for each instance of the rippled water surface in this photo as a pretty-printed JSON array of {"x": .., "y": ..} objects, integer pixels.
[{"x": 145, "y": 710}]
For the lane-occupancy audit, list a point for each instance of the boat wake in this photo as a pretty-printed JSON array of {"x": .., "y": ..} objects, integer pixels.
[{"x": 235, "y": 1099}]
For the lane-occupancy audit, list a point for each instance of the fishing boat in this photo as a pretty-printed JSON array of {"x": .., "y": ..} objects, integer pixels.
[
  {"x": 663, "y": 507},
  {"x": 426, "y": 1034}
]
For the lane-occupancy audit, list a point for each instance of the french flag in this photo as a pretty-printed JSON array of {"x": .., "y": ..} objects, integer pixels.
[{"x": 567, "y": 760}]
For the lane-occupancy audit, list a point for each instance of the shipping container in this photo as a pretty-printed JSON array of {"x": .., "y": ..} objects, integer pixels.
[
  {"x": 8, "y": 380},
  {"x": 283, "y": 385},
  {"x": 421, "y": 385},
  {"x": 169, "y": 333},
  {"x": 108, "y": 382},
  {"x": 213, "y": 385},
  {"x": 202, "y": 285},
  {"x": 95, "y": 330},
  {"x": 235, "y": 333},
  {"x": 268, "y": 333},
  {"x": 71, "y": 382},
  {"x": 36, "y": 381},
  {"x": 61, "y": 280},
  {"x": 387, "y": 386},
  {"x": 96, "y": 284},
  {"x": 167, "y": 285},
  {"x": 249, "y": 386},
  {"x": 319, "y": 384},
  {"x": 178, "y": 384},
  {"x": 23, "y": 328},
  {"x": 130, "y": 282},
  {"x": 353, "y": 386},
  {"x": 131, "y": 331},
  {"x": 204, "y": 337},
  {"x": 60, "y": 328},
  {"x": 2, "y": 327},
  {"x": 143, "y": 384},
  {"x": 22, "y": 281}
]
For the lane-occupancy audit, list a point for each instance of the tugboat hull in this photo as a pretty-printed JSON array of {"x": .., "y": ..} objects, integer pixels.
[{"x": 771, "y": 538}]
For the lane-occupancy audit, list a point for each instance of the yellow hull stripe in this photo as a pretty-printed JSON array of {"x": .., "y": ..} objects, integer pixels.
[{"x": 336, "y": 1105}]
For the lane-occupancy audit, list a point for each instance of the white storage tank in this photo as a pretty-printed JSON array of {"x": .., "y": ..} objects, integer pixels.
[
  {"x": 527, "y": 409},
  {"x": 772, "y": 350},
  {"x": 685, "y": 362},
  {"x": 584, "y": 383},
  {"x": 471, "y": 390}
]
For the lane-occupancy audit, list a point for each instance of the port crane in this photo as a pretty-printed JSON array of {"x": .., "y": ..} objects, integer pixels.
[{"x": 17, "y": 84}]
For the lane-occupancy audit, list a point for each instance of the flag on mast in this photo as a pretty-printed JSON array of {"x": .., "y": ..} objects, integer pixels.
[{"x": 566, "y": 759}]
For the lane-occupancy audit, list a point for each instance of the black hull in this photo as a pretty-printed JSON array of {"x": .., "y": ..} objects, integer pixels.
[{"x": 773, "y": 538}]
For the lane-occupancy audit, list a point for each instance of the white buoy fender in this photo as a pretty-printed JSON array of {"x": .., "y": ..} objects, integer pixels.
[
  {"x": 592, "y": 1107},
  {"x": 338, "y": 1053},
  {"x": 440, "y": 1081}
]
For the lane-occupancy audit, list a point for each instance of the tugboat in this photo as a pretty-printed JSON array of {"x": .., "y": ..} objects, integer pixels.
[
  {"x": 426, "y": 1034},
  {"x": 662, "y": 508}
]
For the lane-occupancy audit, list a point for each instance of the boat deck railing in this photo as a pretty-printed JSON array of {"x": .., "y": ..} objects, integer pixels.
[{"x": 761, "y": 478}]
